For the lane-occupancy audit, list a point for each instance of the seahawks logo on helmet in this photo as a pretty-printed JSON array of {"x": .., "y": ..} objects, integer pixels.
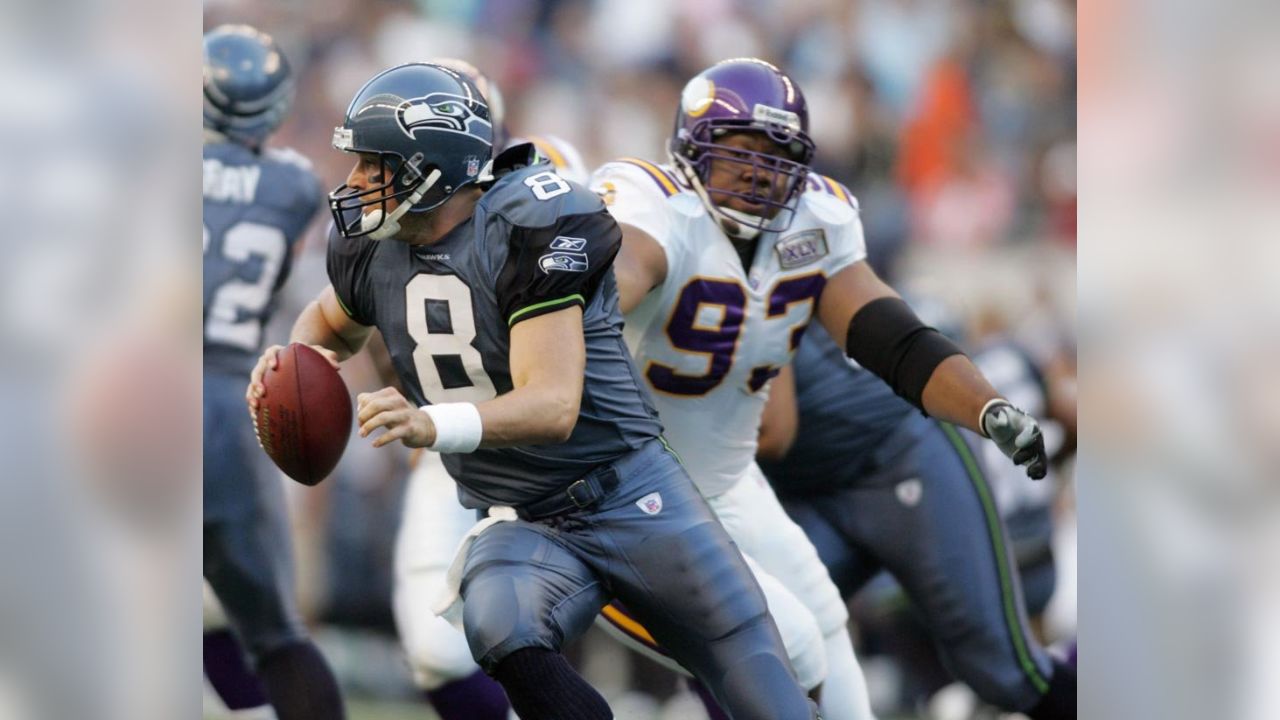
[{"x": 444, "y": 112}]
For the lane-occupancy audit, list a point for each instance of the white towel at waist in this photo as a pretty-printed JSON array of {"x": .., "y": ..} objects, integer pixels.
[{"x": 448, "y": 604}]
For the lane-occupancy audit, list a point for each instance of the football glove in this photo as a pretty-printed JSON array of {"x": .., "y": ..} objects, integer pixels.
[{"x": 1017, "y": 435}]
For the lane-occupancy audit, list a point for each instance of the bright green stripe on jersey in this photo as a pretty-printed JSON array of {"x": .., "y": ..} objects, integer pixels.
[
  {"x": 997, "y": 543},
  {"x": 344, "y": 307},
  {"x": 545, "y": 304}
]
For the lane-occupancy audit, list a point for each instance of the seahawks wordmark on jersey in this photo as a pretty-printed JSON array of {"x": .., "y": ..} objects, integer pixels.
[
  {"x": 712, "y": 335},
  {"x": 535, "y": 244}
]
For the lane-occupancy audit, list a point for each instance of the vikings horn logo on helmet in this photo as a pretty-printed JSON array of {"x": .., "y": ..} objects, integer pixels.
[{"x": 443, "y": 111}]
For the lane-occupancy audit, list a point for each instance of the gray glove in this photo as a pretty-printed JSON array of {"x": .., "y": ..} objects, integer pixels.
[{"x": 1017, "y": 435}]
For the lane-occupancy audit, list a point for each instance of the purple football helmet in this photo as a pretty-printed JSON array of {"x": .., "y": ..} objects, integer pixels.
[{"x": 745, "y": 95}]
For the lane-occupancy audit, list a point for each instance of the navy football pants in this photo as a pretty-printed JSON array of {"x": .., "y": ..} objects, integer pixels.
[
  {"x": 541, "y": 584},
  {"x": 247, "y": 558},
  {"x": 927, "y": 516}
]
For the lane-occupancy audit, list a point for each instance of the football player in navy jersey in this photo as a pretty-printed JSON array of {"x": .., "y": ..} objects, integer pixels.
[
  {"x": 257, "y": 203},
  {"x": 490, "y": 280},
  {"x": 432, "y": 521},
  {"x": 877, "y": 485}
]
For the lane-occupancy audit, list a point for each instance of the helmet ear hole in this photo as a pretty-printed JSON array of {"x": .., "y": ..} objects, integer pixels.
[{"x": 413, "y": 171}]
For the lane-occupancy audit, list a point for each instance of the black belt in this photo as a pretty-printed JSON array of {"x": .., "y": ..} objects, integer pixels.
[{"x": 581, "y": 494}]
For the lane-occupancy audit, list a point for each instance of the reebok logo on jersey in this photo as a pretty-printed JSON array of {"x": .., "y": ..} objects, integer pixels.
[
  {"x": 568, "y": 243},
  {"x": 801, "y": 248},
  {"x": 563, "y": 262},
  {"x": 650, "y": 504}
]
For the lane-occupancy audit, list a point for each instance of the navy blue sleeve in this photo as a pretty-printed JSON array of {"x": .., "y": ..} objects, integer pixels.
[
  {"x": 555, "y": 267},
  {"x": 348, "y": 263}
]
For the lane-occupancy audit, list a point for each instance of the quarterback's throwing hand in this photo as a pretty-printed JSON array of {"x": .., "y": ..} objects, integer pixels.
[
  {"x": 1017, "y": 434},
  {"x": 404, "y": 422}
]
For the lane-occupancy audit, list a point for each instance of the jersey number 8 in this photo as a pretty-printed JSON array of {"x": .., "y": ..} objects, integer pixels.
[
  {"x": 449, "y": 368},
  {"x": 546, "y": 185}
]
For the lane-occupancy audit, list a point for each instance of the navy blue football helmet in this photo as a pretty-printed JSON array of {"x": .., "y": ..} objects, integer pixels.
[
  {"x": 491, "y": 92},
  {"x": 430, "y": 127},
  {"x": 248, "y": 85}
]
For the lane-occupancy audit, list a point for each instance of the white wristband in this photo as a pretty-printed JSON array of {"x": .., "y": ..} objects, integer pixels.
[
  {"x": 458, "y": 428},
  {"x": 982, "y": 416}
]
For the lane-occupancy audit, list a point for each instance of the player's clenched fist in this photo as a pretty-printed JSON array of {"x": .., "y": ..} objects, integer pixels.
[
  {"x": 1017, "y": 434},
  {"x": 404, "y": 422}
]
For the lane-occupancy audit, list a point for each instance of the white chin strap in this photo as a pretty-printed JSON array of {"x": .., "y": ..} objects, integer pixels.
[
  {"x": 391, "y": 224},
  {"x": 735, "y": 223},
  {"x": 744, "y": 224}
]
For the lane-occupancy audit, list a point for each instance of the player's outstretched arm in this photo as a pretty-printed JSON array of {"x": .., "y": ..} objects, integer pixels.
[
  {"x": 641, "y": 266},
  {"x": 548, "y": 358},
  {"x": 884, "y": 335}
]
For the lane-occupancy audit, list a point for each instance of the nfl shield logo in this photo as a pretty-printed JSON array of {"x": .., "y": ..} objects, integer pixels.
[
  {"x": 650, "y": 504},
  {"x": 909, "y": 492},
  {"x": 473, "y": 166}
]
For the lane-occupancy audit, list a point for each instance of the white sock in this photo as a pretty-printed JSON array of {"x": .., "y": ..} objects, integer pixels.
[{"x": 844, "y": 692}]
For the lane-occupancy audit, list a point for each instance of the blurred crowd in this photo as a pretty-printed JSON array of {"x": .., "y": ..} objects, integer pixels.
[{"x": 952, "y": 121}]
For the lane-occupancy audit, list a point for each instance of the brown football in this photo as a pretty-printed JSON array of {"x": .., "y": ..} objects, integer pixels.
[{"x": 304, "y": 419}]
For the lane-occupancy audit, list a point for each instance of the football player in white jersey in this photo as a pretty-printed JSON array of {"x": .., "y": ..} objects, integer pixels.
[
  {"x": 727, "y": 255},
  {"x": 433, "y": 521}
]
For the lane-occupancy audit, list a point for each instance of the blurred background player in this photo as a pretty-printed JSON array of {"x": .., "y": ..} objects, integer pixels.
[
  {"x": 877, "y": 485},
  {"x": 257, "y": 203},
  {"x": 236, "y": 689}
]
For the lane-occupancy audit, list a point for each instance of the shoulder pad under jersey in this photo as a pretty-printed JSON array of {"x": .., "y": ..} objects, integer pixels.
[{"x": 536, "y": 196}]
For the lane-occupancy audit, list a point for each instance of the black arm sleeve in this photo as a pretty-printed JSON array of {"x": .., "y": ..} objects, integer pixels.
[
  {"x": 348, "y": 263},
  {"x": 554, "y": 267},
  {"x": 887, "y": 338}
]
